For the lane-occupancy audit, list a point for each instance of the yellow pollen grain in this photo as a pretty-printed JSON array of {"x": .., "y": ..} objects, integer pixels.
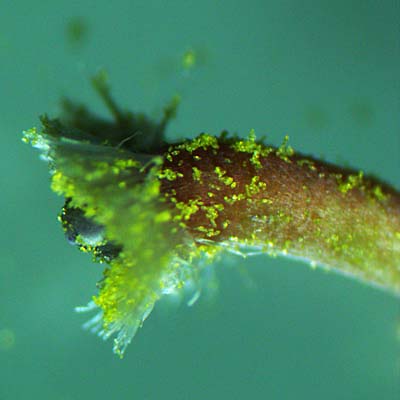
[{"x": 196, "y": 174}]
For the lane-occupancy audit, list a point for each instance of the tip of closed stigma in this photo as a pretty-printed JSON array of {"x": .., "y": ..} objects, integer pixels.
[{"x": 158, "y": 214}]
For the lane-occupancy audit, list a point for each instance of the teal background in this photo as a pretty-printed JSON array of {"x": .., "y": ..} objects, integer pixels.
[{"x": 326, "y": 73}]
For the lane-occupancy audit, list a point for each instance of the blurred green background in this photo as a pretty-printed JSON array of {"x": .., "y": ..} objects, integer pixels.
[{"x": 326, "y": 73}]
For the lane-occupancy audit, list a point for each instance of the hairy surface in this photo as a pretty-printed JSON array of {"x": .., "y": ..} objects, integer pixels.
[{"x": 158, "y": 213}]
